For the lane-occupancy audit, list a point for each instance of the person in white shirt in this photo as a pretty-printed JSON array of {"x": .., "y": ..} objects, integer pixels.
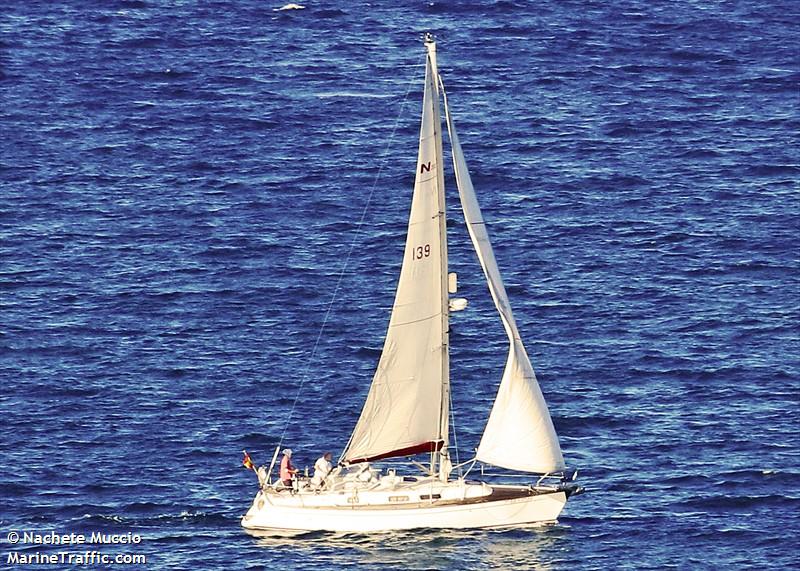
[{"x": 322, "y": 467}]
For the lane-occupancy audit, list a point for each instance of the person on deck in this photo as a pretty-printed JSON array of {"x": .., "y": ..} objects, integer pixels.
[
  {"x": 287, "y": 469},
  {"x": 322, "y": 467}
]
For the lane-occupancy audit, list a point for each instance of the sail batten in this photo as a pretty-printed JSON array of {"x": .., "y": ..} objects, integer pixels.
[{"x": 519, "y": 434}]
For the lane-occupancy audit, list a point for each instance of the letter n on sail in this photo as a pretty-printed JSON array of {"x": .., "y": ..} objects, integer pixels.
[{"x": 425, "y": 167}]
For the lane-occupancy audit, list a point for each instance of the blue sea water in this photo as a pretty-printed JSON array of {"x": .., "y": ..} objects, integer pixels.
[{"x": 181, "y": 184}]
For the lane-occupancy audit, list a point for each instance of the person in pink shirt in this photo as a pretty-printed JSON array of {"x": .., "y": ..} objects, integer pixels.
[{"x": 287, "y": 469}]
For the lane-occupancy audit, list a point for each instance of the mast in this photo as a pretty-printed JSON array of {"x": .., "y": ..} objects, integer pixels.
[{"x": 444, "y": 420}]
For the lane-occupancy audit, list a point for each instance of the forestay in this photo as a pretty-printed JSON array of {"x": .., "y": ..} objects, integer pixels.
[
  {"x": 519, "y": 434},
  {"x": 407, "y": 407}
]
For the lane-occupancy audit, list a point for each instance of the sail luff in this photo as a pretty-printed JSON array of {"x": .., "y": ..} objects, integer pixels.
[{"x": 519, "y": 434}]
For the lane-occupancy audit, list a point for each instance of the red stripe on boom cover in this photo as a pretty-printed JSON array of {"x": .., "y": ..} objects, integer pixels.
[{"x": 432, "y": 446}]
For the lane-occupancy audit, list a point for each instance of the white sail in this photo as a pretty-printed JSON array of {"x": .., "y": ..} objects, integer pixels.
[
  {"x": 519, "y": 434},
  {"x": 407, "y": 407}
]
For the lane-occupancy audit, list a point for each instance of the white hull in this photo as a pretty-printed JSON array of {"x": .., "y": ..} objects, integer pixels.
[{"x": 498, "y": 506}]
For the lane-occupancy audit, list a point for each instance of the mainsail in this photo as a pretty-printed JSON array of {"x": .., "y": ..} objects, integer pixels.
[
  {"x": 406, "y": 411},
  {"x": 519, "y": 434}
]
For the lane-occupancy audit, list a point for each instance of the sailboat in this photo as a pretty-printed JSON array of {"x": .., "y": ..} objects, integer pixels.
[{"x": 406, "y": 413}]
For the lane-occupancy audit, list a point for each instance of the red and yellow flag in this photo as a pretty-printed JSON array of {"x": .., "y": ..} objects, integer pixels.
[{"x": 247, "y": 462}]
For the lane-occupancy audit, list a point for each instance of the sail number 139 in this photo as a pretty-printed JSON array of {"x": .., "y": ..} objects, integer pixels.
[{"x": 421, "y": 252}]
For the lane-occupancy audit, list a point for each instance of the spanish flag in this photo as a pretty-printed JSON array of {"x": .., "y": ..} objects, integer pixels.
[{"x": 247, "y": 462}]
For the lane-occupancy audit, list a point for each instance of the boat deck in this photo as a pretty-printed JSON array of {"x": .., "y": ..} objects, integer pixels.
[{"x": 399, "y": 499}]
